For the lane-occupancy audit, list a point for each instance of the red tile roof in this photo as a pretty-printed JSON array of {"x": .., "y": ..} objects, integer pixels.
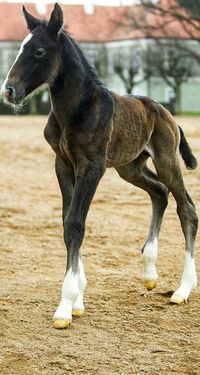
[
  {"x": 99, "y": 27},
  {"x": 102, "y": 26}
]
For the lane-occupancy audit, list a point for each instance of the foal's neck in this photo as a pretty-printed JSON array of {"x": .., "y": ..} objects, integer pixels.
[{"x": 72, "y": 83}]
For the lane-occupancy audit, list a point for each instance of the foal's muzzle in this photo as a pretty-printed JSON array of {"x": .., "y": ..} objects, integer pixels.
[
  {"x": 12, "y": 94},
  {"x": 9, "y": 93}
]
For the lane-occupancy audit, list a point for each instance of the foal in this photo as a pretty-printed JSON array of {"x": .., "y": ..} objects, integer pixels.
[{"x": 91, "y": 128}]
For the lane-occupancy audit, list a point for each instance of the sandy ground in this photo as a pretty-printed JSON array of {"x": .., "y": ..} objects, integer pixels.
[{"x": 125, "y": 330}]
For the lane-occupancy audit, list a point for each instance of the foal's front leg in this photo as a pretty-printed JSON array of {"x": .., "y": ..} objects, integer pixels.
[{"x": 74, "y": 227}]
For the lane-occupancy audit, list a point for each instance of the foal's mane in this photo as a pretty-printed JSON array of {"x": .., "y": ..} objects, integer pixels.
[{"x": 91, "y": 72}]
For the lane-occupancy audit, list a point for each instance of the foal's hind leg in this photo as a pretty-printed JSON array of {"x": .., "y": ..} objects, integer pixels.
[
  {"x": 169, "y": 172},
  {"x": 138, "y": 174}
]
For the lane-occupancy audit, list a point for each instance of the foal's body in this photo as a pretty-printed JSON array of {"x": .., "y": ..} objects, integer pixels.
[{"x": 91, "y": 128}]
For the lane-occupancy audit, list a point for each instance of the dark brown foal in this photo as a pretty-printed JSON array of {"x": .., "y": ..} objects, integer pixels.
[{"x": 90, "y": 128}]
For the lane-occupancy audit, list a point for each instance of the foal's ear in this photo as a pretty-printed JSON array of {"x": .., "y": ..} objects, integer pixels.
[
  {"x": 56, "y": 21},
  {"x": 31, "y": 21}
]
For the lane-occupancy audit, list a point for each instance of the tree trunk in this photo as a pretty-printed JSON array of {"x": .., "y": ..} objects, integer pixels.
[
  {"x": 129, "y": 90},
  {"x": 178, "y": 109},
  {"x": 149, "y": 86}
]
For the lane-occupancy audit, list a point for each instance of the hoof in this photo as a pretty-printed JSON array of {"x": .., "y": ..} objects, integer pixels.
[
  {"x": 77, "y": 313},
  {"x": 61, "y": 323},
  {"x": 150, "y": 284},
  {"x": 178, "y": 300}
]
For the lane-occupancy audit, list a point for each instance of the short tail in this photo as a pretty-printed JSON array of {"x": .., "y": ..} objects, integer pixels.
[{"x": 186, "y": 152}]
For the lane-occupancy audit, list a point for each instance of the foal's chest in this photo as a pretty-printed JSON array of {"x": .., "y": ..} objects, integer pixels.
[{"x": 76, "y": 146}]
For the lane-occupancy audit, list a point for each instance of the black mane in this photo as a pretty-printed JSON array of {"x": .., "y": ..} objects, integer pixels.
[{"x": 91, "y": 72}]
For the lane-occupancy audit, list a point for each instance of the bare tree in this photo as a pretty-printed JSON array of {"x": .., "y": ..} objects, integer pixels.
[
  {"x": 128, "y": 69},
  {"x": 185, "y": 12},
  {"x": 156, "y": 20},
  {"x": 166, "y": 23},
  {"x": 173, "y": 66}
]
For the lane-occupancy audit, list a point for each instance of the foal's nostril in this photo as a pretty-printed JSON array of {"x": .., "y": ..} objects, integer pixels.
[{"x": 10, "y": 92}]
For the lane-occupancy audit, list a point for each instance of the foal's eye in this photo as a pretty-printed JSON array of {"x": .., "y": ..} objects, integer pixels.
[{"x": 40, "y": 52}]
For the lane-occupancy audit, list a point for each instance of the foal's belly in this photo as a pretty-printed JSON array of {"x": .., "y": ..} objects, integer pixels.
[
  {"x": 119, "y": 154},
  {"x": 125, "y": 145}
]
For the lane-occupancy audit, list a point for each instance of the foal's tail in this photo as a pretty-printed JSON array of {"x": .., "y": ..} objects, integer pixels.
[{"x": 186, "y": 152}]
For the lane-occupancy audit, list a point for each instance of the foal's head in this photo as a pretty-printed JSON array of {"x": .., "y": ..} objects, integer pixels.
[{"x": 37, "y": 60}]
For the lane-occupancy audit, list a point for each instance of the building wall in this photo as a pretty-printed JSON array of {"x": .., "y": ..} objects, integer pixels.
[
  {"x": 155, "y": 87},
  {"x": 104, "y": 55}
]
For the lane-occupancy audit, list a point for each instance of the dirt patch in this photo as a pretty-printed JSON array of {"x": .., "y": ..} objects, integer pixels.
[{"x": 125, "y": 330}]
